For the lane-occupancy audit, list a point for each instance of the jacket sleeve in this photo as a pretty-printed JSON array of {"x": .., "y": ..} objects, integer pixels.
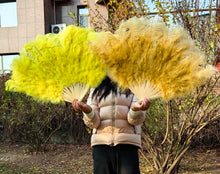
[
  {"x": 136, "y": 117},
  {"x": 92, "y": 120}
]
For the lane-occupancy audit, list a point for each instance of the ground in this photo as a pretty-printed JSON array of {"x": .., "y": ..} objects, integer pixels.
[{"x": 77, "y": 159}]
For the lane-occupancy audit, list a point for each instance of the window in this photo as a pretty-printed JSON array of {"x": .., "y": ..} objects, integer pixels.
[
  {"x": 83, "y": 17},
  {"x": 5, "y": 63},
  {"x": 8, "y": 13}
]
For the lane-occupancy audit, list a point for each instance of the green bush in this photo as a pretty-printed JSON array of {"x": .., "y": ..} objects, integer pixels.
[{"x": 24, "y": 119}]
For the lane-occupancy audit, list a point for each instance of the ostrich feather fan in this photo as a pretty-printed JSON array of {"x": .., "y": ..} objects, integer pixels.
[
  {"x": 55, "y": 66},
  {"x": 152, "y": 59}
]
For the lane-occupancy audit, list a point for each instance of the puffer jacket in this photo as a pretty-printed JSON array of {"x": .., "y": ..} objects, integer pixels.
[{"x": 112, "y": 121}]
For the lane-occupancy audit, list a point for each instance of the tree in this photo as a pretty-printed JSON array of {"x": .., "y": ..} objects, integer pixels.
[{"x": 166, "y": 141}]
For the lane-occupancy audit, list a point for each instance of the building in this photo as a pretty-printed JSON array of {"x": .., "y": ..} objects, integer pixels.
[{"x": 22, "y": 20}]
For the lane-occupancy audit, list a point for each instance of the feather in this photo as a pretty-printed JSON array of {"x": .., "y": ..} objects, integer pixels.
[
  {"x": 52, "y": 62},
  {"x": 148, "y": 52}
]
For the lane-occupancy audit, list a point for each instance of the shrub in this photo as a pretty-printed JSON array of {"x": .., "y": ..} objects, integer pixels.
[{"x": 24, "y": 119}]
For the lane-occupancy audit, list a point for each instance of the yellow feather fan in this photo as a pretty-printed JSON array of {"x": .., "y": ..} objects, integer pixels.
[
  {"x": 57, "y": 67},
  {"x": 152, "y": 59}
]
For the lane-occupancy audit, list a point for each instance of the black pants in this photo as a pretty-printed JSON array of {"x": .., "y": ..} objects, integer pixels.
[{"x": 120, "y": 159}]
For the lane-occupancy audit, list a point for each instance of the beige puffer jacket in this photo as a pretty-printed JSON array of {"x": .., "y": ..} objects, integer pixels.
[{"x": 112, "y": 122}]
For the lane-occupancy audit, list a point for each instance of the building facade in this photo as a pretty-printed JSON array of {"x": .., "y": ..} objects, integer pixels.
[{"x": 22, "y": 20}]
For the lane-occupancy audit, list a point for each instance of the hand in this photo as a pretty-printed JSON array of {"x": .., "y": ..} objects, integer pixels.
[
  {"x": 141, "y": 105},
  {"x": 81, "y": 107}
]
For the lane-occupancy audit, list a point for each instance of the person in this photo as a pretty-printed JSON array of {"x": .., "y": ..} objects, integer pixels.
[{"x": 115, "y": 117}]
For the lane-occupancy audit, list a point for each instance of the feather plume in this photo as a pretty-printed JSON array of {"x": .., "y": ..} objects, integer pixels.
[
  {"x": 143, "y": 52},
  {"x": 52, "y": 62}
]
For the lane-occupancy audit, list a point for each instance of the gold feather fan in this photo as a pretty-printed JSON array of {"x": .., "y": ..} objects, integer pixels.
[{"x": 152, "y": 59}]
